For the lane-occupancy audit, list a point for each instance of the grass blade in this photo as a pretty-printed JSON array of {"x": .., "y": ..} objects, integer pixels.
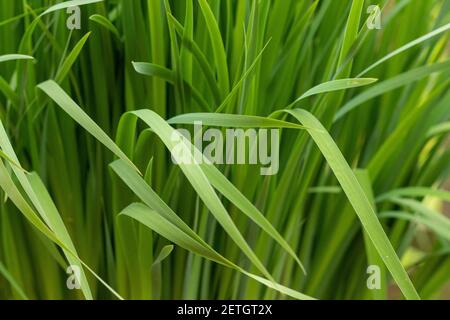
[
  {"x": 12, "y": 57},
  {"x": 358, "y": 199}
]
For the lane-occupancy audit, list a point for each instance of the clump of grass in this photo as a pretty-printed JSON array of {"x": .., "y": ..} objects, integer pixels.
[{"x": 85, "y": 171}]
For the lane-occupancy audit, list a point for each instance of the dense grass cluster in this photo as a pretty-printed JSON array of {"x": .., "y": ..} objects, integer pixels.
[{"x": 87, "y": 180}]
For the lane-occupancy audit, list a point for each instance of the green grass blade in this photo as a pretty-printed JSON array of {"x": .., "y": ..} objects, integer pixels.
[
  {"x": 358, "y": 199},
  {"x": 218, "y": 47},
  {"x": 12, "y": 281},
  {"x": 12, "y": 57},
  {"x": 403, "y": 79},
  {"x": 155, "y": 222},
  {"x": 54, "y": 91},
  {"x": 71, "y": 58},
  {"x": 336, "y": 85},
  {"x": 406, "y": 47},
  {"x": 103, "y": 21},
  {"x": 153, "y": 70},
  {"x": 57, "y": 225},
  {"x": 232, "y": 121},
  {"x": 439, "y": 129},
  {"x": 201, "y": 184},
  {"x": 432, "y": 224},
  {"x": 68, "y": 4},
  {"x": 415, "y": 192},
  {"x": 373, "y": 258}
]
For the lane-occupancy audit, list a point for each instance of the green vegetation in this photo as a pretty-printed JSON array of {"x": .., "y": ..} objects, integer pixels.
[{"x": 87, "y": 179}]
